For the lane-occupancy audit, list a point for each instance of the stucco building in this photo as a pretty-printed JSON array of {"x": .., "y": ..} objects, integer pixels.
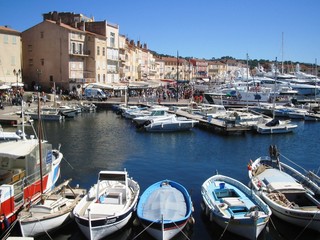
[{"x": 10, "y": 56}]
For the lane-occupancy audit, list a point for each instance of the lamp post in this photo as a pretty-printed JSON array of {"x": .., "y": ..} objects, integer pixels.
[
  {"x": 17, "y": 73},
  {"x": 38, "y": 84}
]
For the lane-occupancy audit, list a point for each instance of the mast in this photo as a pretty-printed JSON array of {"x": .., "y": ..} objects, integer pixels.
[
  {"x": 315, "y": 83},
  {"x": 39, "y": 139},
  {"x": 274, "y": 92},
  {"x": 282, "y": 55},
  {"x": 177, "y": 76}
]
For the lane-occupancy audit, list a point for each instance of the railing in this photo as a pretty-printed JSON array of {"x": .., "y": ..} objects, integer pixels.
[{"x": 80, "y": 53}]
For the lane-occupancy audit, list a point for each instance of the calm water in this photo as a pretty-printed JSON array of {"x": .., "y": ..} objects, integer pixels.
[{"x": 104, "y": 141}]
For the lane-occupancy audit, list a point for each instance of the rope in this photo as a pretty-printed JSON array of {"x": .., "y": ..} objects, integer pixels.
[
  {"x": 225, "y": 229},
  {"x": 293, "y": 162},
  {"x": 144, "y": 229},
  {"x": 68, "y": 163},
  {"x": 181, "y": 231},
  {"x": 8, "y": 231},
  {"x": 279, "y": 234},
  {"x": 306, "y": 225}
]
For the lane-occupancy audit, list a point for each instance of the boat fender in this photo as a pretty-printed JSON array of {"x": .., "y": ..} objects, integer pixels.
[
  {"x": 259, "y": 184},
  {"x": 223, "y": 206}
]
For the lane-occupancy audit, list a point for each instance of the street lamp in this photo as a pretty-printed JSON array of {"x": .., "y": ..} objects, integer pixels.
[
  {"x": 39, "y": 73},
  {"x": 17, "y": 73}
]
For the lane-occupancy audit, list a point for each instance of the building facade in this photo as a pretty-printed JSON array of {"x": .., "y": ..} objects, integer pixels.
[{"x": 10, "y": 56}]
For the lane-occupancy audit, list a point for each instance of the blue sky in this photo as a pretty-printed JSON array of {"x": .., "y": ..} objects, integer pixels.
[{"x": 200, "y": 29}]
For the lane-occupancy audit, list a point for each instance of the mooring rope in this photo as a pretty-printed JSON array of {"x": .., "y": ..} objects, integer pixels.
[
  {"x": 68, "y": 163},
  {"x": 144, "y": 229},
  {"x": 293, "y": 162},
  {"x": 8, "y": 232},
  {"x": 181, "y": 231},
  {"x": 307, "y": 225},
  {"x": 276, "y": 228},
  {"x": 225, "y": 229}
]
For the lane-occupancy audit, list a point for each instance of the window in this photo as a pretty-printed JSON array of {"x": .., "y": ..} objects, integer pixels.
[
  {"x": 42, "y": 61},
  {"x": 80, "y": 48},
  {"x": 103, "y": 51},
  {"x": 112, "y": 39},
  {"x": 5, "y": 39},
  {"x": 14, "y": 40},
  {"x": 30, "y": 61},
  {"x": 73, "y": 48},
  {"x": 29, "y": 48},
  {"x": 41, "y": 34},
  {"x": 98, "y": 50}
]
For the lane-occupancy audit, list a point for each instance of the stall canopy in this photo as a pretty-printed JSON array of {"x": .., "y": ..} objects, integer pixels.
[
  {"x": 19, "y": 84},
  {"x": 3, "y": 87}
]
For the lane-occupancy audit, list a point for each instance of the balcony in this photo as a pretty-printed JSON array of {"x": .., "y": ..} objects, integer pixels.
[{"x": 84, "y": 53}]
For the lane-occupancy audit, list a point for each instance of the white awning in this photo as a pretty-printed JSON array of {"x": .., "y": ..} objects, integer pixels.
[
  {"x": 16, "y": 149},
  {"x": 2, "y": 87},
  {"x": 15, "y": 84}
]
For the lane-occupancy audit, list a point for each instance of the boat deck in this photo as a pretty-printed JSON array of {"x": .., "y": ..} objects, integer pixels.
[
  {"x": 165, "y": 202},
  {"x": 231, "y": 201}
]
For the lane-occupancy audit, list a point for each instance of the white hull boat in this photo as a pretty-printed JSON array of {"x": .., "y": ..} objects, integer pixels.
[
  {"x": 234, "y": 207},
  {"x": 292, "y": 196},
  {"x": 172, "y": 124},
  {"x": 20, "y": 178},
  {"x": 108, "y": 206},
  {"x": 164, "y": 209},
  {"x": 53, "y": 212},
  {"x": 275, "y": 126}
]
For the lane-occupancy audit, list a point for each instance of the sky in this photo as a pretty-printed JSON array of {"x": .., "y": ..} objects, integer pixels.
[{"x": 288, "y": 30}]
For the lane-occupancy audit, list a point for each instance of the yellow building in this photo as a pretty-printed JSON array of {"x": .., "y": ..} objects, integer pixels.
[{"x": 10, "y": 56}]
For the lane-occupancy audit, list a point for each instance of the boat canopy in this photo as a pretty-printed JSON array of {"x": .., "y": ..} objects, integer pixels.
[
  {"x": 277, "y": 180},
  {"x": 21, "y": 148}
]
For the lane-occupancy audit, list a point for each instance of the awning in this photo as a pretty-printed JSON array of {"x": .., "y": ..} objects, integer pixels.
[
  {"x": 2, "y": 87},
  {"x": 17, "y": 84}
]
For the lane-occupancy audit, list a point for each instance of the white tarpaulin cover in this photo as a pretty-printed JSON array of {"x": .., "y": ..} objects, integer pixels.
[{"x": 15, "y": 149}]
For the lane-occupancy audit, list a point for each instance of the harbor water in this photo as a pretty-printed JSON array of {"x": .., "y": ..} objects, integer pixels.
[{"x": 104, "y": 141}]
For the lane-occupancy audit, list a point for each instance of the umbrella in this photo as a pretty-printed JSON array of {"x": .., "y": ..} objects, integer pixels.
[
  {"x": 2, "y": 87},
  {"x": 15, "y": 84}
]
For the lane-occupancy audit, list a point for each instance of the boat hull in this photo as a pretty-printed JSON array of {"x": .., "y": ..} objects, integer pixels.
[
  {"x": 292, "y": 199},
  {"x": 164, "y": 209},
  {"x": 296, "y": 217},
  {"x": 165, "y": 231},
  {"x": 35, "y": 227},
  {"x": 234, "y": 207},
  {"x": 103, "y": 227},
  {"x": 108, "y": 206}
]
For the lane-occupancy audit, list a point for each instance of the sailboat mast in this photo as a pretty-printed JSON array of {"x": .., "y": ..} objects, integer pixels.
[
  {"x": 282, "y": 55},
  {"x": 177, "y": 76},
  {"x": 274, "y": 92},
  {"x": 39, "y": 139}
]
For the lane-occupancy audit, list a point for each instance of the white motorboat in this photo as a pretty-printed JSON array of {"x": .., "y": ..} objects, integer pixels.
[
  {"x": 164, "y": 209},
  {"x": 234, "y": 207},
  {"x": 108, "y": 206},
  {"x": 292, "y": 196},
  {"x": 46, "y": 115},
  {"x": 275, "y": 126},
  {"x": 240, "y": 117},
  {"x": 52, "y": 212},
  {"x": 153, "y": 113},
  {"x": 171, "y": 124}
]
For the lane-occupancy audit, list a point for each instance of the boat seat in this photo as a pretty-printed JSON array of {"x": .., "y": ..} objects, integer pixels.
[
  {"x": 112, "y": 198},
  {"x": 233, "y": 202}
]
